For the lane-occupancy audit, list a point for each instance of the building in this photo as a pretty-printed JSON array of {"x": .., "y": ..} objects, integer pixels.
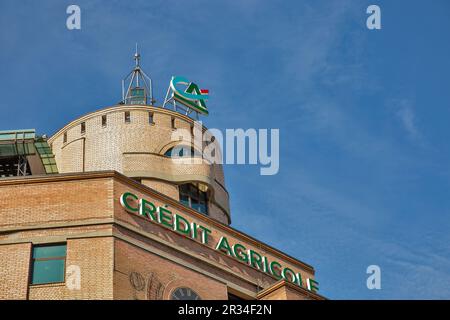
[{"x": 104, "y": 210}]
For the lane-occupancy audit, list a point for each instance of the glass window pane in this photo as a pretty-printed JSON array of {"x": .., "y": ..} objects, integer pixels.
[
  {"x": 191, "y": 196},
  {"x": 202, "y": 208},
  {"x": 183, "y": 188},
  {"x": 184, "y": 199},
  {"x": 137, "y": 92},
  {"x": 49, "y": 251},
  {"x": 195, "y": 206},
  {"x": 48, "y": 271},
  {"x": 168, "y": 152},
  {"x": 29, "y": 135}
]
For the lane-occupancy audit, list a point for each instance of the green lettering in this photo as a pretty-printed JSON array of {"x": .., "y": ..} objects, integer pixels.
[
  {"x": 292, "y": 278},
  {"x": 313, "y": 285},
  {"x": 194, "y": 230},
  {"x": 179, "y": 226},
  {"x": 224, "y": 246},
  {"x": 147, "y": 209},
  {"x": 265, "y": 262},
  {"x": 239, "y": 252},
  {"x": 125, "y": 204},
  {"x": 205, "y": 234},
  {"x": 299, "y": 279},
  {"x": 165, "y": 217},
  {"x": 255, "y": 259},
  {"x": 275, "y": 269}
]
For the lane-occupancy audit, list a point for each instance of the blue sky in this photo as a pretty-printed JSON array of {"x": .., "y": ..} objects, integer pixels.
[{"x": 363, "y": 116}]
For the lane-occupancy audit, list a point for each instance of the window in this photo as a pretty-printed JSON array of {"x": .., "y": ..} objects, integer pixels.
[
  {"x": 182, "y": 151},
  {"x": 104, "y": 120},
  {"x": 184, "y": 294},
  {"x": 83, "y": 127},
  {"x": 173, "y": 123},
  {"x": 127, "y": 117},
  {"x": 150, "y": 118},
  {"x": 47, "y": 157},
  {"x": 194, "y": 196},
  {"x": 65, "y": 137},
  {"x": 137, "y": 96},
  {"x": 48, "y": 264}
]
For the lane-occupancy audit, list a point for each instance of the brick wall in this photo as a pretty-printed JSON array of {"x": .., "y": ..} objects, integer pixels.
[
  {"x": 139, "y": 274},
  {"x": 67, "y": 200},
  {"x": 84, "y": 211},
  {"x": 94, "y": 257},
  {"x": 14, "y": 270}
]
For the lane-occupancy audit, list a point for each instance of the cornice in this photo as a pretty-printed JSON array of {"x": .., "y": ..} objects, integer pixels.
[
  {"x": 284, "y": 283},
  {"x": 120, "y": 108}
]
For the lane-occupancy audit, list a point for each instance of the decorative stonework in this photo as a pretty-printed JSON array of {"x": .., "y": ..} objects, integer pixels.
[{"x": 149, "y": 288}]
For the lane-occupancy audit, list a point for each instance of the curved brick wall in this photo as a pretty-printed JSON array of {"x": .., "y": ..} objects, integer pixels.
[{"x": 136, "y": 149}]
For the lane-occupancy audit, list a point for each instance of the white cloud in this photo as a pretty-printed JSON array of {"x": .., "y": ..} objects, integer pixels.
[{"x": 407, "y": 117}]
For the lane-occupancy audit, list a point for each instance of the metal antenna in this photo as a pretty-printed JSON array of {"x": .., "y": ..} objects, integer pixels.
[
  {"x": 137, "y": 56},
  {"x": 139, "y": 89}
]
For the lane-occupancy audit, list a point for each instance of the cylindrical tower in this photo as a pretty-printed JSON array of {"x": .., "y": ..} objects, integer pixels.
[{"x": 136, "y": 140}]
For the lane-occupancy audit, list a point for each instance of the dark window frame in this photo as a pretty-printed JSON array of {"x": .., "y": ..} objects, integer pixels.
[
  {"x": 127, "y": 115},
  {"x": 192, "y": 197},
  {"x": 32, "y": 260},
  {"x": 194, "y": 153},
  {"x": 151, "y": 119}
]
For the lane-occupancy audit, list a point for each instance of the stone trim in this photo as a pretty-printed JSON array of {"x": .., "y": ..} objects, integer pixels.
[
  {"x": 284, "y": 283},
  {"x": 120, "y": 108}
]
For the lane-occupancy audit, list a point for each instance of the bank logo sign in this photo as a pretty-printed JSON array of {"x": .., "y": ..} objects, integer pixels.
[
  {"x": 178, "y": 223},
  {"x": 192, "y": 96},
  {"x": 188, "y": 94}
]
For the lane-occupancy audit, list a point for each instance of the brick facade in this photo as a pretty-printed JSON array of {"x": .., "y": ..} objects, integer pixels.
[{"x": 122, "y": 255}]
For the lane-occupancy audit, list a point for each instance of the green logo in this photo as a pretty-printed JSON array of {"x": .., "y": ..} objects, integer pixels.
[{"x": 191, "y": 97}]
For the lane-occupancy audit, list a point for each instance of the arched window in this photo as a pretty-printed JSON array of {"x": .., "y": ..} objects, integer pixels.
[
  {"x": 195, "y": 196},
  {"x": 182, "y": 151}
]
